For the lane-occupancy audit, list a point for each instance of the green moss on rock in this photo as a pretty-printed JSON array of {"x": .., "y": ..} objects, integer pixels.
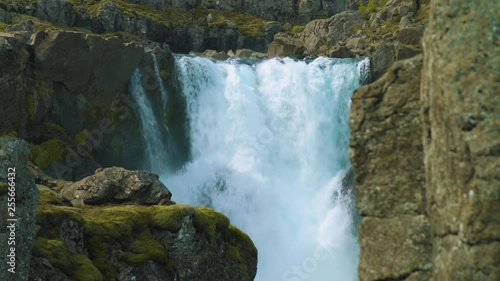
[
  {"x": 388, "y": 26},
  {"x": 48, "y": 197},
  {"x": 248, "y": 25},
  {"x": 75, "y": 265},
  {"x": 297, "y": 29},
  {"x": 130, "y": 228},
  {"x": 53, "y": 129},
  {"x": 45, "y": 25},
  {"x": 4, "y": 188},
  {"x": 371, "y": 7},
  {"x": 50, "y": 218},
  {"x": 115, "y": 222},
  {"x": 48, "y": 152},
  {"x": 57, "y": 184},
  {"x": 242, "y": 241},
  {"x": 31, "y": 106},
  {"x": 145, "y": 248},
  {"x": 208, "y": 221},
  {"x": 82, "y": 137},
  {"x": 170, "y": 217},
  {"x": 123, "y": 36},
  {"x": 10, "y": 134}
]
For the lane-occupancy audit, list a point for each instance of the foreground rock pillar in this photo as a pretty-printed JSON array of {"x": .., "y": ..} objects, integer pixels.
[
  {"x": 14, "y": 154},
  {"x": 387, "y": 157},
  {"x": 461, "y": 112}
]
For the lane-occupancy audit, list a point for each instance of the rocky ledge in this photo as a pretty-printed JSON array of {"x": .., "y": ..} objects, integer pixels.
[
  {"x": 189, "y": 28},
  {"x": 123, "y": 226},
  {"x": 385, "y": 31}
]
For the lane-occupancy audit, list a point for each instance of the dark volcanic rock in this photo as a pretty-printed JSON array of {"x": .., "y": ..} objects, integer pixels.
[
  {"x": 14, "y": 154},
  {"x": 86, "y": 61},
  {"x": 57, "y": 11}
]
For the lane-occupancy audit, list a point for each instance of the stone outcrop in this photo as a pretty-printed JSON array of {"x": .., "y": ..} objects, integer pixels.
[
  {"x": 57, "y": 11},
  {"x": 424, "y": 147},
  {"x": 124, "y": 240},
  {"x": 285, "y": 45},
  {"x": 184, "y": 29},
  {"x": 461, "y": 107},
  {"x": 320, "y": 35},
  {"x": 68, "y": 96},
  {"x": 85, "y": 63},
  {"x": 56, "y": 240},
  {"x": 386, "y": 34},
  {"x": 282, "y": 10},
  {"x": 16, "y": 182},
  {"x": 175, "y": 242},
  {"x": 387, "y": 156},
  {"x": 117, "y": 185}
]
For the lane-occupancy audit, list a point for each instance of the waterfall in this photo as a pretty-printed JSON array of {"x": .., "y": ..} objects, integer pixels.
[
  {"x": 158, "y": 78},
  {"x": 156, "y": 151},
  {"x": 269, "y": 146}
]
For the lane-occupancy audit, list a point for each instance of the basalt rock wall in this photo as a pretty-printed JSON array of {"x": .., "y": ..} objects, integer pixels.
[
  {"x": 425, "y": 150},
  {"x": 461, "y": 114},
  {"x": 67, "y": 94}
]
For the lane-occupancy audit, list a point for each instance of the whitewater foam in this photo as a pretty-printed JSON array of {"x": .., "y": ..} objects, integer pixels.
[{"x": 269, "y": 144}]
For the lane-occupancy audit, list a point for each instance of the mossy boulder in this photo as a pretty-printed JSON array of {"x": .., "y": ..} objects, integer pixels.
[
  {"x": 117, "y": 185},
  {"x": 176, "y": 242}
]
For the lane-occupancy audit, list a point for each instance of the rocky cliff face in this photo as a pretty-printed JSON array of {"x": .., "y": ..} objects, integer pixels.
[
  {"x": 67, "y": 94},
  {"x": 126, "y": 239},
  {"x": 279, "y": 10},
  {"x": 387, "y": 156},
  {"x": 461, "y": 107},
  {"x": 424, "y": 147},
  {"x": 183, "y": 25},
  {"x": 384, "y": 32},
  {"x": 137, "y": 234}
]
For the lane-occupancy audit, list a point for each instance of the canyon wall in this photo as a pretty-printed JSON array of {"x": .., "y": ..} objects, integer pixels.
[
  {"x": 425, "y": 148},
  {"x": 66, "y": 93},
  {"x": 461, "y": 113},
  {"x": 387, "y": 157}
]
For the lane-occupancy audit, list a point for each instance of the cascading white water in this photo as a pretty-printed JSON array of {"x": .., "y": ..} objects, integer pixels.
[
  {"x": 156, "y": 151},
  {"x": 163, "y": 90},
  {"x": 269, "y": 149}
]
